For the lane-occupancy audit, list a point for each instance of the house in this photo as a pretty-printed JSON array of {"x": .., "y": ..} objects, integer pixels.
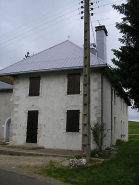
[
  {"x": 5, "y": 110},
  {"x": 48, "y": 97}
]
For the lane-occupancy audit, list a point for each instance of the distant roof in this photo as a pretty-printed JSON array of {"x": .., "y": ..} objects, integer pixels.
[
  {"x": 65, "y": 55},
  {"x": 4, "y": 86}
]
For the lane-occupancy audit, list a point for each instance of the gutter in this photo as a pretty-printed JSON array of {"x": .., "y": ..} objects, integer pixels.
[
  {"x": 111, "y": 113},
  {"x": 101, "y": 106}
]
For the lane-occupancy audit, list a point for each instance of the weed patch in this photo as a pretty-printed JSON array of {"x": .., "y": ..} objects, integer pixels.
[{"x": 121, "y": 169}]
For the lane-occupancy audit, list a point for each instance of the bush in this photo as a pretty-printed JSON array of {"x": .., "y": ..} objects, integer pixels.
[
  {"x": 119, "y": 142},
  {"x": 94, "y": 152},
  {"x": 98, "y": 134}
]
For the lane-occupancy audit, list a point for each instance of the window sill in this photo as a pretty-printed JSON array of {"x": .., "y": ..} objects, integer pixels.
[
  {"x": 72, "y": 132},
  {"x": 34, "y": 97},
  {"x": 74, "y": 94}
]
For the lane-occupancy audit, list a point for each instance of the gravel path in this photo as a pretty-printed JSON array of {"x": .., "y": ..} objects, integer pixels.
[
  {"x": 26, "y": 162},
  {"x": 27, "y": 165}
]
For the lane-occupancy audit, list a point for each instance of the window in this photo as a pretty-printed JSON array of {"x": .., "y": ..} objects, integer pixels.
[
  {"x": 121, "y": 128},
  {"x": 34, "y": 88},
  {"x": 114, "y": 125},
  {"x": 72, "y": 121},
  {"x": 73, "y": 84}
]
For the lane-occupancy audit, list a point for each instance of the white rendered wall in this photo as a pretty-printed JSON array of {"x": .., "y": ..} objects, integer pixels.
[
  {"x": 52, "y": 104},
  {"x": 5, "y": 110},
  {"x": 119, "y": 115}
]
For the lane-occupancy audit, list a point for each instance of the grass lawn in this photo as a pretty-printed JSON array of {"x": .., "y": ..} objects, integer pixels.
[
  {"x": 133, "y": 127},
  {"x": 123, "y": 168}
]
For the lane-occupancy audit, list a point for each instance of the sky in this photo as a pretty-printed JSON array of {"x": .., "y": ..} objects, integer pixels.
[{"x": 35, "y": 25}]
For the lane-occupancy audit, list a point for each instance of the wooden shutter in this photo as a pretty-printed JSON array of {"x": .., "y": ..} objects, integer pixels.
[
  {"x": 32, "y": 127},
  {"x": 73, "y": 84},
  {"x": 77, "y": 84},
  {"x": 34, "y": 89},
  {"x": 72, "y": 121}
]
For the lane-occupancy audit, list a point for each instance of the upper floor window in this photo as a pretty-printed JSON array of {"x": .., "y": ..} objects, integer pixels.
[
  {"x": 72, "y": 121},
  {"x": 73, "y": 84},
  {"x": 34, "y": 88}
]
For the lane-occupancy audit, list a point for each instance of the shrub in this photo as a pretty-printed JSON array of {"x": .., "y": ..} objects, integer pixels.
[
  {"x": 94, "y": 152},
  {"x": 119, "y": 142},
  {"x": 98, "y": 134}
]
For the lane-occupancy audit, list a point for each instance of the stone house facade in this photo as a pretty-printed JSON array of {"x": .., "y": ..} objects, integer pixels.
[
  {"x": 5, "y": 111},
  {"x": 48, "y": 98}
]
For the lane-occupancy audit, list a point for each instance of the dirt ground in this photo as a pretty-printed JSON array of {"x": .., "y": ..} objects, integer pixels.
[{"x": 26, "y": 163}]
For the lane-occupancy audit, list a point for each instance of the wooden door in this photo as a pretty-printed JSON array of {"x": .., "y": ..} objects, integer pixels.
[{"x": 32, "y": 127}]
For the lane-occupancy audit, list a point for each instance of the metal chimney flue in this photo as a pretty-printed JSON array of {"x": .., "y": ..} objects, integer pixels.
[
  {"x": 101, "y": 42},
  {"x": 93, "y": 48}
]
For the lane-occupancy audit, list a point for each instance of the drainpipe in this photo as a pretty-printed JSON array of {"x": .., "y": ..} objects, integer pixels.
[
  {"x": 101, "y": 106},
  {"x": 111, "y": 113}
]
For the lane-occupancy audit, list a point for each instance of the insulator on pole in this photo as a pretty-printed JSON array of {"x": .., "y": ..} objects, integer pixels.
[
  {"x": 82, "y": 12},
  {"x": 82, "y": 17},
  {"x": 82, "y": 1},
  {"x": 91, "y": 8},
  {"x": 91, "y": 14}
]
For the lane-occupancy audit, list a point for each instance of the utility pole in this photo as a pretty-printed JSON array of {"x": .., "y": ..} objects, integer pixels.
[{"x": 86, "y": 83}]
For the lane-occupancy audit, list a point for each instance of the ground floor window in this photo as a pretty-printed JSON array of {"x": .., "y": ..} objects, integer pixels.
[{"x": 72, "y": 121}]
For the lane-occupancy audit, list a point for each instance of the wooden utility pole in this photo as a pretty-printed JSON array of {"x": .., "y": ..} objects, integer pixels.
[{"x": 86, "y": 84}]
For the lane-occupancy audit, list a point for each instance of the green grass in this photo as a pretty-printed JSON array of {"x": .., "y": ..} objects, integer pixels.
[
  {"x": 133, "y": 127},
  {"x": 121, "y": 169}
]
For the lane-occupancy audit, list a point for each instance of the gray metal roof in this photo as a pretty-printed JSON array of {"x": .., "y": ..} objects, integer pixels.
[
  {"x": 65, "y": 55},
  {"x": 4, "y": 86}
]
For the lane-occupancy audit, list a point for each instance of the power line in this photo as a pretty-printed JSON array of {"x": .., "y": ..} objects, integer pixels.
[
  {"x": 43, "y": 20},
  {"x": 38, "y": 31},
  {"x": 44, "y": 24},
  {"x": 47, "y": 27},
  {"x": 40, "y": 37},
  {"x": 38, "y": 27},
  {"x": 109, "y": 4},
  {"x": 39, "y": 18}
]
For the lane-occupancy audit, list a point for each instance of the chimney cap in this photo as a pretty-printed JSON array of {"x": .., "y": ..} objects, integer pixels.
[{"x": 102, "y": 27}]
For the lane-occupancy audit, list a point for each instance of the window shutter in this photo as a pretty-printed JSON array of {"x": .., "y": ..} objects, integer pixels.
[
  {"x": 72, "y": 121},
  {"x": 70, "y": 84},
  {"x": 76, "y": 121},
  {"x": 34, "y": 89},
  {"x": 77, "y": 84},
  {"x": 73, "y": 84}
]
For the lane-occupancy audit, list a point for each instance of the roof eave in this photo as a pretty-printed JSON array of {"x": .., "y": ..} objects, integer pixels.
[{"x": 47, "y": 70}]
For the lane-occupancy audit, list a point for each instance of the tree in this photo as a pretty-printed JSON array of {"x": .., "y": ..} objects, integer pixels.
[
  {"x": 126, "y": 60},
  {"x": 27, "y": 55}
]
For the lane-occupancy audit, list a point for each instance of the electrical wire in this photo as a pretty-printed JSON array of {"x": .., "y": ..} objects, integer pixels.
[
  {"x": 42, "y": 25},
  {"x": 109, "y": 4},
  {"x": 37, "y": 27},
  {"x": 38, "y": 31},
  {"x": 39, "y": 22},
  {"x": 40, "y": 37},
  {"x": 45, "y": 28},
  {"x": 38, "y": 18},
  {"x": 56, "y": 30}
]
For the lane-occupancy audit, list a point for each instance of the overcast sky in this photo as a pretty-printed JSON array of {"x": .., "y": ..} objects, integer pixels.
[{"x": 35, "y": 25}]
